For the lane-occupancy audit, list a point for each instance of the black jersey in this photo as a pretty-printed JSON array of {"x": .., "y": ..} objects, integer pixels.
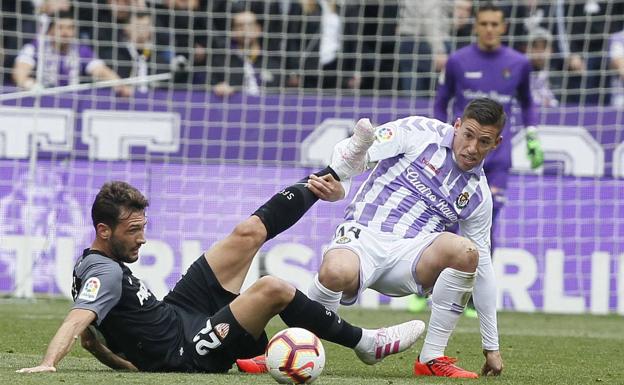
[{"x": 137, "y": 326}]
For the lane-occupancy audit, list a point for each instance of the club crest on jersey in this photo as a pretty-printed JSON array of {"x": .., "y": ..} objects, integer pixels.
[
  {"x": 506, "y": 73},
  {"x": 90, "y": 289},
  {"x": 343, "y": 240},
  {"x": 222, "y": 330},
  {"x": 384, "y": 133},
  {"x": 462, "y": 200}
]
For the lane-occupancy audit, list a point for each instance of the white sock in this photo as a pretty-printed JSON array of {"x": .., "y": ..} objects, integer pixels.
[
  {"x": 450, "y": 296},
  {"x": 367, "y": 340},
  {"x": 328, "y": 298}
]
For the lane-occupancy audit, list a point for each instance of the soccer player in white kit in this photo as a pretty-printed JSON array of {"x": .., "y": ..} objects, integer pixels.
[{"x": 428, "y": 176}]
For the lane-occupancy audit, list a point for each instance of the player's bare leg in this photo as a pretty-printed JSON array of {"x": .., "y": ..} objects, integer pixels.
[
  {"x": 339, "y": 274},
  {"x": 231, "y": 258},
  {"x": 449, "y": 265}
]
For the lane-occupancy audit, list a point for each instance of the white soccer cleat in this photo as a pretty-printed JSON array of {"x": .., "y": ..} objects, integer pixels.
[
  {"x": 390, "y": 340},
  {"x": 350, "y": 156}
]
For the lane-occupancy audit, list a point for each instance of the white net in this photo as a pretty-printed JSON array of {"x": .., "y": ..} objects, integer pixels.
[{"x": 241, "y": 117}]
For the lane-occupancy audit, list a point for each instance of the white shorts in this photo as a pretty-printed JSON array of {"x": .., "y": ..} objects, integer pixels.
[{"x": 387, "y": 261}]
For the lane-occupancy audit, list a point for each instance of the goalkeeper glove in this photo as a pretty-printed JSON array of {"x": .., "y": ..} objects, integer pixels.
[{"x": 534, "y": 148}]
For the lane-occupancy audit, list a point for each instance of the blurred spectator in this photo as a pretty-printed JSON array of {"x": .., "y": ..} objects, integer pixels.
[
  {"x": 616, "y": 62},
  {"x": 423, "y": 28},
  {"x": 64, "y": 60},
  {"x": 461, "y": 26},
  {"x": 581, "y": 30},
  {"x": 182, "y": 27},
  {"x": 17, "y": 19},
  {"x": 314, "y": 45},
  {"x": 102, "y": 22},
  {"x": 135, "y": 54},
  {"x": 243, "y": 65},
  {"x": 539, "y": 52},
  {"x": 370, "y": 44}
]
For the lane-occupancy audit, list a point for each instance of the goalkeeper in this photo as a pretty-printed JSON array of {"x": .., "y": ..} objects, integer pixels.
[{"x": 490, "y": 69}]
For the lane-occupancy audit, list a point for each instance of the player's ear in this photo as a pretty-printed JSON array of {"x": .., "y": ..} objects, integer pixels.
[
  {"x": 457, "y": 124},
  {"x": 103, "y": 231},
  {"x": 498, "y": 141}
]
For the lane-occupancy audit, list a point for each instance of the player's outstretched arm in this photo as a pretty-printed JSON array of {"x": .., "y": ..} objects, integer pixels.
[
  {"x": 493, "y": 363},
  {"x": 104, "y": 354},
  {"x": 74, "y": 324}
]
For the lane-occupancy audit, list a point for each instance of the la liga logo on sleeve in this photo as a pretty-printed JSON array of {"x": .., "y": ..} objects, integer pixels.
[
  {"x": 384, "y": 133},
  {"x": 90, "y": 289}
]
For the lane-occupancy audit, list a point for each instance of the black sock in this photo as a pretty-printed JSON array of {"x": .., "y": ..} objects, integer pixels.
[
  {"x": 286, "y": 207},
  {"x": 304, "y": 313}
]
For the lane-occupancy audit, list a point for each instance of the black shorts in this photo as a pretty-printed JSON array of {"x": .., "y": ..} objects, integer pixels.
[{"x": 201, "y": 301}]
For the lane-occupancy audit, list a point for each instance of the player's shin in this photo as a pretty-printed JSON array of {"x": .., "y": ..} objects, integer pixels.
[
  {"x": 286, "y": 207},
  {"x": 319, "y": 293},
  {"x": 450, "y": 296},
  {"x": 304, "y": 313}
]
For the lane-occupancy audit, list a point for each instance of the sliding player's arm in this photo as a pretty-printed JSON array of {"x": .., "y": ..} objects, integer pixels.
[
  {"x": 103, "y": 353},
  {"x": 477, "y": 229},
  {"x": 74, "y": 324}
]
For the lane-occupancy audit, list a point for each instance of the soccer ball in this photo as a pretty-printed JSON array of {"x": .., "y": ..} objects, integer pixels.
[{"x": 295, "y": 356}]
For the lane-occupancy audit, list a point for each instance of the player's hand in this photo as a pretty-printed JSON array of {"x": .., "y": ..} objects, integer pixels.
[
  {"x": 534, "y": 148},
  {"x": 493, "y": 363},
  {"x": 124, "y": 91},
  {"x": 223, "y": 89},
  {"x": 326, "y": 187},
  {"x": 38, "y": 369}
]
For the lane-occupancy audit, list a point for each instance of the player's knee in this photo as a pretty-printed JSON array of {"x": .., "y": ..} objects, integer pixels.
[
  {"x": 275, "y": 291},
  {"x": 467, "y": 256},
  {"x": 337, "y": 274},
  {"x": 251, "y": 232}
]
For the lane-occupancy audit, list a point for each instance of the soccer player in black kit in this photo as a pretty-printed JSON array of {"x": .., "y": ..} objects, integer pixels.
[{"x": 203, "y": 324}]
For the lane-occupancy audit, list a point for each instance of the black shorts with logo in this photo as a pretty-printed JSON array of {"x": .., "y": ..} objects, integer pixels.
[{"x": 202, "y": 304}]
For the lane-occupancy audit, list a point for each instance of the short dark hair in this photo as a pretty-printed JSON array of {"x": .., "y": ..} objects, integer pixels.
[
  {"x": 112, "y": 198},
  {"x": 487, "y": 112},
  {"x": 490, "y": 6},
  {"x": 68, "y": 14}
]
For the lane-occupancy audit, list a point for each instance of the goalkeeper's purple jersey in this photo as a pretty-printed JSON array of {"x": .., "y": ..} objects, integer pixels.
[
  {"x": 502, "y": 75},
  {"x": 417, "y": 188}
]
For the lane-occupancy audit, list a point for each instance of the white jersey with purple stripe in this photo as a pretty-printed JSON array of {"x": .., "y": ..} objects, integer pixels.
[{"x": 417, "y": 188}]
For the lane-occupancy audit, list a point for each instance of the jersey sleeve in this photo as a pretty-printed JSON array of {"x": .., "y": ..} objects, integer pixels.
[
  {"x": 28, "y": 55},
  {"x": 477, "y": 228},
  {"x": 403, "y": 136},
  {"x": 101, "y": 288},
  {"x": 88, "y": 61}
]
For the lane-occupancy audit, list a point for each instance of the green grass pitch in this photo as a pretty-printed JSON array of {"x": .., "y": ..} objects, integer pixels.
[{"x": 537, "y": 349}]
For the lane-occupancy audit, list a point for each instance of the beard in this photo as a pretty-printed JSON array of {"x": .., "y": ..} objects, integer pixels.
[{"x": 120, "y": 251}]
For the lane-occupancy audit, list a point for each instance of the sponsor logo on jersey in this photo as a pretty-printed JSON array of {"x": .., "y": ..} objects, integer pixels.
[
  {"x": 462, "y": 200},
  {"x": 90, "y": 289},
  {"x": 430, "y": 166},
  {"x": 473, "y": 74},
  {"x": 343, "y": 240},
  {"x": 384, "y": 133},
  {"x": 222, "y": 330}
]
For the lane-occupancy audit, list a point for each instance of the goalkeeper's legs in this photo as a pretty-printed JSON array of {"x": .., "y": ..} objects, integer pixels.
[{"x": 231, "y": 257}]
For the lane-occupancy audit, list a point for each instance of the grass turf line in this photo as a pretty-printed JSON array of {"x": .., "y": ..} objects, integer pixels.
[{"x": 537, "y": 349}]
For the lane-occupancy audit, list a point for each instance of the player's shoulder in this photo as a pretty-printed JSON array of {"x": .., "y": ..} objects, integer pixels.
[
  {"x": 95, "y": 261},
  {"x": 515, "y": 55},
  {"x": 462, "y": 52},
  {"x": 423, "y": 124}
]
